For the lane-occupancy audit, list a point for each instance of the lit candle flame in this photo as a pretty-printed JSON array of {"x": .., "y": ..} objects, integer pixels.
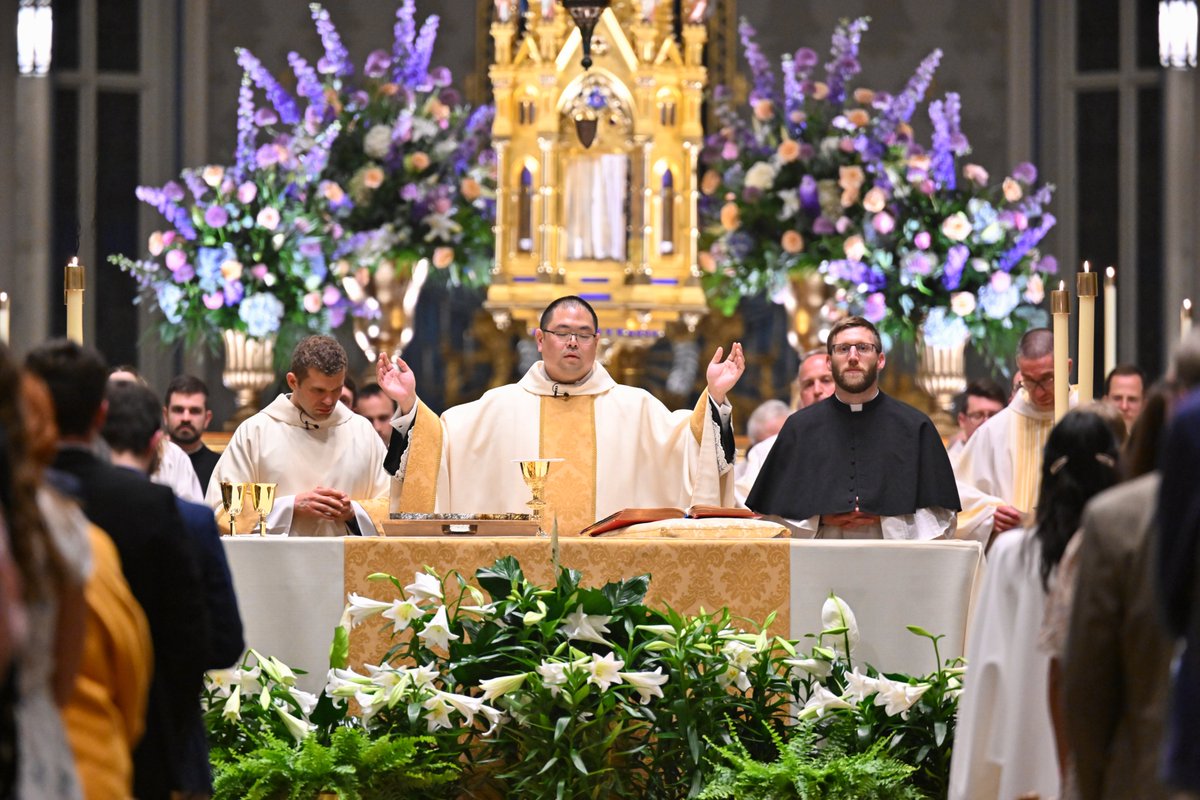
[
  {"x": 1062, "y": 286},
  {"x": 1187, "y": 306},
  {"x": 1111, "y": 273},
  {"x": 74, "y": 262},
  {"x": 1087, "y": 267}
]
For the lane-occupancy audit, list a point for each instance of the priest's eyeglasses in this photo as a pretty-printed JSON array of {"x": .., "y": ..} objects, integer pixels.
[
  {"x": 863, "y": 348},
  {"x": 565, "y": 336},
  {"x": 1045, "y": 384}
]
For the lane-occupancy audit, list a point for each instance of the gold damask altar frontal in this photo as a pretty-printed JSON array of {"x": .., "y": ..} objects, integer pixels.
[{"x": 750, "y": 577}]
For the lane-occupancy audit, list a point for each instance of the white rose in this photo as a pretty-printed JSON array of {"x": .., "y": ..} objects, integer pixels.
[
  {"x": 761, "y": 176},
  {"x": 962, "y": 303},
  {"x": 378, "y": 141}
]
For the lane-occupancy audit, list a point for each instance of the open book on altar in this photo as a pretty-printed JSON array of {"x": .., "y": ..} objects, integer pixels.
[{"x": 633, "y": 516}]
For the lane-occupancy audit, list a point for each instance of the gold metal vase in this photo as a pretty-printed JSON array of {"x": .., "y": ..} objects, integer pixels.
[
  {"x": 392, "y": 291},
  {"x": 807, "y": 295},
  {"x": 249, "y": 368},
  {"x": 942, "y": 374}
]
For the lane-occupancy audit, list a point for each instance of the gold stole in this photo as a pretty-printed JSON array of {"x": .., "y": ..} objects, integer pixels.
[
  {"x": 568, "y": 431},
  {"x": 1028, "y": 440},
  {"x": 419, "y": 489}
]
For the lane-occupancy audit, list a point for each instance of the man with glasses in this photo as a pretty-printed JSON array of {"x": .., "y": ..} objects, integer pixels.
[
  {"x": 621, "y": 448},
  {"x": 862, "y": 464},
  {"x": 1001, "y": 466},
  {"x": 980, "y": 401}
]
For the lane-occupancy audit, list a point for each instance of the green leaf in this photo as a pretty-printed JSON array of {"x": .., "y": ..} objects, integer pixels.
[
  {"x": 629, "y": 592},
  {"x": 578, "y": 762},
  {"x": 500, "y": 578},
  {"x": 339, "y": 650},
  {"x": 561, "y": 726}
]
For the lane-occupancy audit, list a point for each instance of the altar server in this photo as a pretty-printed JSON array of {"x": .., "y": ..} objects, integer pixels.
[
  {"x": 620, "y": 446},
  {"x": 859, "y": 464},
  {"x": 323, "y": 456}
]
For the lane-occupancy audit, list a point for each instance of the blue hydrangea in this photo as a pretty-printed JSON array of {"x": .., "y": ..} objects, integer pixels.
[
  {"x": 208, "y": 266},
  {"x": 943, "y": 329},
  {"x": 261, "y": 312},
  {"x": 998, "y": 305},
  {"x": 169, "y": 296}
]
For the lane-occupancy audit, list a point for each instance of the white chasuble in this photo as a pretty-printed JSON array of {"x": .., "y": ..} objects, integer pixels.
[
  {"x": 621, "y": 448},
  {"x": 282, "y": 445},
  {"x": 1002, "y": 465}
]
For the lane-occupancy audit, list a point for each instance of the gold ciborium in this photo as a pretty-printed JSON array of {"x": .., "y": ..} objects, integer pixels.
[
  {"x": 534, "y": 472},
  {"x": 232, "y": 497},
  {"x": 262, "y": 495}
]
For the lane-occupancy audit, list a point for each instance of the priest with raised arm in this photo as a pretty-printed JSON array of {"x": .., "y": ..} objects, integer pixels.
[
  {"x": 325, "y": 458},
  {"x": 859, "y": 464},
  {"x": 620, "y": 447}
]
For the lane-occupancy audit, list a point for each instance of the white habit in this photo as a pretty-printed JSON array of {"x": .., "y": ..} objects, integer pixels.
[
  {"x": 175, "y": 471},
  {"x": 282, "y": 445},
  {"x": 621, "y": 448},
  {"x": 1004, "y": 743}
]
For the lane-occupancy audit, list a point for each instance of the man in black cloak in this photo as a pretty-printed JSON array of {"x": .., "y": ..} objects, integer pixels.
[{"x": 860, "y": 464}]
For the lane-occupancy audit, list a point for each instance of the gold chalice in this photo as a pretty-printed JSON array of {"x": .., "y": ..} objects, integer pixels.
[
  {"x": 262, "y": 495},
  {"x": 534, "y": 472},
  {"x": 232, "y": 497}
]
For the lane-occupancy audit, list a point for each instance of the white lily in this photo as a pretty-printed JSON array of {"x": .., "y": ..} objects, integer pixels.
[
  {"x": 495, "y": 718},
  {"x": 425, "y": 587},
  {"x": 605, "y": 670},
  {"x": 665, "y": 632},
  {"x": 282, "y": 672},
  {"x": 232, "y": 710},
  {"x": 359, "y": 608},
  {"x": 306, "y": 700},
  {"x": 437, "y": 631},
  {"x": 836, "y": 614},
  {"x": 298, "y": 728},
  {"x": 740, "y": 654},
  {"x": 820, "y": 701},
  {"x": 859, "y": 687},
  {"x": 505, "y": 684},
  {"x": 585, "y": 627},
  {"x": 647, "y": 684},
  {"x": 464, "y": 704},
  {"x": 816, "y": 667},
  {"x": 424, "y": 676},
  {"x": 385, "y": 675},
  {"x": 898, "y": 698},
  {"x": 439, "y": 712},
  {"x": 402, "y": 612},
  {"x": 553, "y": 674},
  {"x": 534, "y": 617},
  {"x": 733, "y": 675}
]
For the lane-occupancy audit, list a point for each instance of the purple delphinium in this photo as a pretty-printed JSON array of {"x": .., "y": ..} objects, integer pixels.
[
  {"x": 843, "y": 62},
  {"x": 943, "y": 115},
  {"x": 195, "y": 183},
  {"x": 283, "y": 103},
  {"x": 1025, "y": 242},
  {"x": 901, "y": 107},
  {"x": 314, "y": 161},
  {"x": 956, "y": 259},
  {"x": 1025, "y": 172},
  {"x": 246, "y": 132},
  {"x": 161, "y": 200},
  {"x": 336, "y": 60},
  {"x": 1033, "y": 204},
  {"x": 377, "y": 64},
  {"x": 404, "y": 33},
  {"x": 760, "y": 67},
  {"x": 308, "y": 85},
  {"x": 858, "y": 273},
  {"x": 793, "y": 97},
  {"x": 416, "y": 69}
]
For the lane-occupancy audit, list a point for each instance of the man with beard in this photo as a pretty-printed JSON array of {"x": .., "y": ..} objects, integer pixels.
[
  {"x": 861, "y": 465},
  {"x": 187, "y": 416}
]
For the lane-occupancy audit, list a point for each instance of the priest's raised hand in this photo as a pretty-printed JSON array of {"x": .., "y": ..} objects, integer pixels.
[
  {"x": 723, "y": 375},
  {"x": 397, "y": 381}
]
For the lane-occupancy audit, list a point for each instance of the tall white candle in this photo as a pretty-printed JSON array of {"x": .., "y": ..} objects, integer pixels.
[
  {"x": 1185, "y": 319},
  {"x": 1085, "y": 284},
  {"x": 1060, "y": 308},
  {"x": 5, "y": 317},
  {"x": 73, "y": 283},
  {"x": 1110, "y": 321}
]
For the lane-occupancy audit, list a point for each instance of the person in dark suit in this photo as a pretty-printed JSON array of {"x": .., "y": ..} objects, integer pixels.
[
  {"x": 133, "y": 431},
  {"x": 158, "y": 559}
]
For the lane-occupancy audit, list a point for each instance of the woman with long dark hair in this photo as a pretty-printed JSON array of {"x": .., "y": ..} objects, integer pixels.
[{"x": 1004, "y": 745}]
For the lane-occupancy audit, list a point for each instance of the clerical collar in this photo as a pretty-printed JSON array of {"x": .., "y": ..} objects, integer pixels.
[
  {"x": 856, "y": 407},
  {"x": 560, "y": 384}
]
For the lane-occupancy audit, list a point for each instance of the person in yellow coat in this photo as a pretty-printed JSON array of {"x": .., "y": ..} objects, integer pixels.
[{"x": 107, "y": 711}]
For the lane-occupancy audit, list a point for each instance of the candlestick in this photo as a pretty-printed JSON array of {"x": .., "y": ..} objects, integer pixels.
[
  {"x": 5, "y": 317},
  {"x": 1110, "y": 321},
  {"x": 73, "y": 283},
  {"x": 1085, "y": 285},
  {"x": 1185, "y": 319},
  {"x": 1060, "y": 308}
]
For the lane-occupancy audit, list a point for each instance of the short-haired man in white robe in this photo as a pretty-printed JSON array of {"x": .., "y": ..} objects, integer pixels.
[
  {"x": 999, "y": 470},
  {"x": 323, "y": 457},
  {"x": 621, "y": 447}
]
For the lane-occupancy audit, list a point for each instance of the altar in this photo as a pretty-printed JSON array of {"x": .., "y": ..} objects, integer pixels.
[{"x": 291, "y": 591}]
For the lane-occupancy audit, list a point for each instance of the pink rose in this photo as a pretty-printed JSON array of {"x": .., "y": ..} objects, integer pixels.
[
  {"x": 214, "y": 301},
  {"x": 729, "y": 151},
  {"x": 1001, "y": 281},
  {"x": 247, "y": 192},
  {"x": 883, "y": 223},
  {"x": 313, "y": 302},
  {"x": 331, "y": 296},
  {"x": 176, "y": 259},
  {"x": 155, "y": 244},
  {"x": 922, "y": 240}
]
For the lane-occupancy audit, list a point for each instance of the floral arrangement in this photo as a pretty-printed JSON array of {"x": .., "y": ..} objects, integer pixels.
[
  {"x": 354, "y": 172},
  {"x": 572, "y": 691},
  {"x": 820, "y": 176}
]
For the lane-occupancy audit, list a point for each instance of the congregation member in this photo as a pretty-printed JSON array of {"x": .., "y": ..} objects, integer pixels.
[
  {"x": 157, "y": 558},
  {"x": 1001, "y": 466},
  {"x": 764, "y": 422},
  {"x": 323, "y": 457},
  {"x": 133, "y": 430},
  {"x": 859, "y": 464},
  {"x": 187, "y": 416},
  {"x": 1125, "y": 388},
  {"x": 53, "y": 557},
  {"x": 378, "y": 408},
  {"x": 1110, "y": 667},
  {"x": 620, "y": 446},
  {"x": 174, "y": 468},
  {"x": 1004, "y": 744},
  {"x": 980, "y": 401},
  {"x": 815, "y": 381},
  {"x": 349, "y": 395},
  {"x": 1178, "y": 545}
]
